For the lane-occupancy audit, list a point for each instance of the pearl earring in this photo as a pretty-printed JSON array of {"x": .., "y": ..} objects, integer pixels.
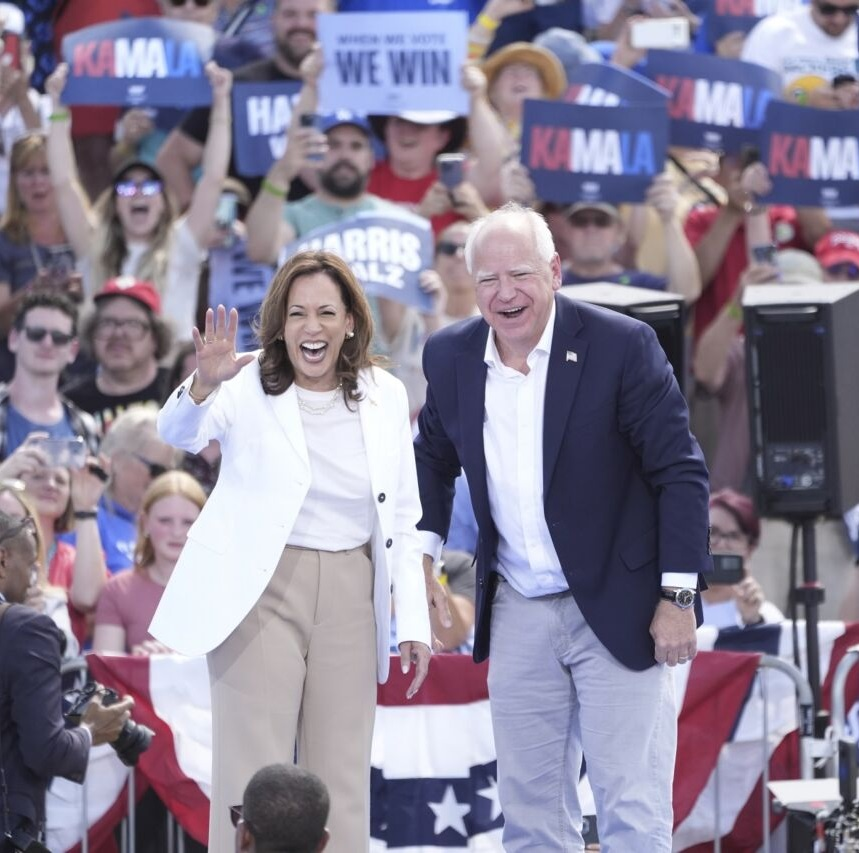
[{"x": 350, "y": 335}]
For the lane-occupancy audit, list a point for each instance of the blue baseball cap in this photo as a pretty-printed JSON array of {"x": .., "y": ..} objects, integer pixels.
[{"x": 328, "y": 121}]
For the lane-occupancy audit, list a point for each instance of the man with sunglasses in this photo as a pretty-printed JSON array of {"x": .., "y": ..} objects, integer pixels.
[
  {"x": 35, "y": 746},
  {"x": 594, "y": 234},
  {"x": 44, "y": 342},
  {"x": 809, "y": 47}
]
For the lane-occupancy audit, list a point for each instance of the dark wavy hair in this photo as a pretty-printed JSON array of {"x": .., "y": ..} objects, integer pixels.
[{"x": 276, "y": 370}]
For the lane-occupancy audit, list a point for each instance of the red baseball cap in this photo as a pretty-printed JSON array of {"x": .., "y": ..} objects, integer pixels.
[
  {"x": 130, "y": 287},
  {"x": 838, "y": 247}
]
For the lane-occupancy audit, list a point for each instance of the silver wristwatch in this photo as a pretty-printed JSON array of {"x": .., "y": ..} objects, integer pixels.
[{"x": 683, "y": 598}]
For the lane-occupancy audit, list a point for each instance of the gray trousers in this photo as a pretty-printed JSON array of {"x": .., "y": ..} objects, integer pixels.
[{"x": 556, "y": 693}]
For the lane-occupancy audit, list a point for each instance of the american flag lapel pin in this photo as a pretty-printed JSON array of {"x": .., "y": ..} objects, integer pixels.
[{"x": 571, "y": 356}]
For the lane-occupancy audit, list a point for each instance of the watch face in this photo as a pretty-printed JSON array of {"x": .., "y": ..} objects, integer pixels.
[{"x": 685, "y": 597}]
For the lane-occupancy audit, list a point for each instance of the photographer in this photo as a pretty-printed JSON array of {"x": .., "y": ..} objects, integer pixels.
[
  {"x": 735, "y": 529},
  {"x": 34, "y": 743}
]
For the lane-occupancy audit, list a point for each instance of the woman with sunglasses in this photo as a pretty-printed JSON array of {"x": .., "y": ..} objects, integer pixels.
[
  {"x": 42, "y": 595},
  {"x": 170, "y": 506},
  {"x": 34, "y": 250},
  {"x": 65, "y": 500},
  {"x": 132, "y": 230}
]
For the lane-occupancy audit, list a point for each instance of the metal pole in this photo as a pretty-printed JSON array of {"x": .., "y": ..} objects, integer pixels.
[
  {"x": 765, "y": 775},
  {"x": 132, "y": 807}
]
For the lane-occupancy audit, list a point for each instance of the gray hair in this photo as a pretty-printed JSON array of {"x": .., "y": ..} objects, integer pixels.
[
  {"x": 543, "y": 242},
  {"x": 131, "y": 429}
]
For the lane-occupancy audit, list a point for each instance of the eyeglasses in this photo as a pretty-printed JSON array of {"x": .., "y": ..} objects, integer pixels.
[
  {"x": 597, "y": 218},
  {"x": 449, "y": 249},
  {"x": 235, "y": 815},
  {"x": 831, "y": 9},
  {"x": 177, "y": 3},
  {"x": 25, "y": 524},
  {"x": 129, "y": 189},
  {"x": 37, "y": 334},
  {"x": 133, "y": 328},
  {"x": 729, "y": 537},
  {"x": 154, "y": 468}
]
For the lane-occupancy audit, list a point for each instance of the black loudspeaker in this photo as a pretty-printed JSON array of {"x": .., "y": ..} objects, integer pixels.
[
  {"x": 664, "y": 312},
  {"x": 802, "y": 366}
]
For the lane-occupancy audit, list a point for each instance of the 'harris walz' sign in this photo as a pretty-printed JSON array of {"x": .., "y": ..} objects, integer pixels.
[
  {"x": 139, "y": 62},
  {"x": 812, "y": 156},
  {"x": 576, "y": 153},
  {"x": 713, "y": 103},
  {"x": 261, "y": 116},
  {"x": 385, "y": 249}
]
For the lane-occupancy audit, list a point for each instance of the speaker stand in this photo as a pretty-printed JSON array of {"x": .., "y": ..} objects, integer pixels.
[{"x": 810, "y": 595}]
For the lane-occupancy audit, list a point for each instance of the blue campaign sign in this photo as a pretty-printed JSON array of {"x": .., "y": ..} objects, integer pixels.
[
  {"x": 575, "y": 153},
  {"x": 730, "y": 16},
  {"x": 151, "y": 62},
  {"x": 598, "y": 84},
  {"x": 386, "y": 251},
  {"x": 713, "y": 103},
  {"x": 390, "y": 62},
  {"x": 261, "y": 116},
  {"x": 812, "y": 156}
]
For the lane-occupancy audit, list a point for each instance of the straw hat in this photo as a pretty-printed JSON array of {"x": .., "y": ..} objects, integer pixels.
[{"x": 547, "y": 64}]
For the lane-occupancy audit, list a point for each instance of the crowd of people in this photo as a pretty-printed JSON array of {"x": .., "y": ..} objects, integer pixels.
[{"x": 112, "y": 252}]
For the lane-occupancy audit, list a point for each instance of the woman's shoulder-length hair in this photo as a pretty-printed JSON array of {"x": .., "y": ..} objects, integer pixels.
[{"x": 276, "y": 370}]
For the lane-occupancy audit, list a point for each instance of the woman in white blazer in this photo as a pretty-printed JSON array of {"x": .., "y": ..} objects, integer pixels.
[{"x": 287, "y": 577}]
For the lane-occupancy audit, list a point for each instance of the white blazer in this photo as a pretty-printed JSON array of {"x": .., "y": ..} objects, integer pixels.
[{"x": 236, "y": 542}]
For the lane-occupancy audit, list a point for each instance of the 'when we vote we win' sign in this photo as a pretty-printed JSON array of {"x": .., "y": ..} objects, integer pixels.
[{"x": 387, "y": 62}]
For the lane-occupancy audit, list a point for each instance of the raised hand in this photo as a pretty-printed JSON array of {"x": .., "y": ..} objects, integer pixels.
[
  {"x": 55, "y": 84},
  {"x": 216, "y": 351}
]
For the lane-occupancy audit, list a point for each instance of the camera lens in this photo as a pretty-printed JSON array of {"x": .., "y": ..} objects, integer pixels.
[{"x": 133, "y": 740}]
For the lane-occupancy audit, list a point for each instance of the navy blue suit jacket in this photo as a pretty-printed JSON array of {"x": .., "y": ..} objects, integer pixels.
[
  {"x": 625, "y": 489},
  {"x": 35, "y": 744}
]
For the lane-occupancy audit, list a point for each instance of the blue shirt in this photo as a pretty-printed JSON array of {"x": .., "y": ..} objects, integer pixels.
[{"x": 18, "y": 428}]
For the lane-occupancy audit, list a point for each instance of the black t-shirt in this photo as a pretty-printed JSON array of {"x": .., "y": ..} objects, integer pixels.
[
  {"x": 84, "y": 393},
  {"x": 196, "y": 123}
]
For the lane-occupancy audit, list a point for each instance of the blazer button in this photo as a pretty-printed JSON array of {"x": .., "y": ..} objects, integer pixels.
[
  {"x": 389, "y": 543},
  {"x": 381, "y": 497}
]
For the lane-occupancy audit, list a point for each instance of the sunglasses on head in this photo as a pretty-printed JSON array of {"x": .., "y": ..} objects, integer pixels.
[
  {"x": 36, "y": 334},
  {"x": 597, "y": 218},
  {"x": 449, "y": 249},
  {"x": 830, "y": 9},
  {"x": 129, "y": 189}
]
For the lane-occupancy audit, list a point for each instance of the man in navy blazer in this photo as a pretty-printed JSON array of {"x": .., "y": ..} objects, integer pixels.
[
  {"x": 35, "y": 746},
  {"x": 590, "y": 495}
]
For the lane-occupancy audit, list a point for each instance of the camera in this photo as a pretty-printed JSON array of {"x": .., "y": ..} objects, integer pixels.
[
  {"x": 450, "y": 169},
  {"x": 22, "y": 842},
  {"x": 133, "y": 740}
]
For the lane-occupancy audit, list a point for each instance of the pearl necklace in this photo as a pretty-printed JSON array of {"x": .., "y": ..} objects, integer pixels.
[{"x": 325, "y": 407}]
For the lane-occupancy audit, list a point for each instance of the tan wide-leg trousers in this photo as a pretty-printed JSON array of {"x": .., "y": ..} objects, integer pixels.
[{"x": 297, "y": 680}]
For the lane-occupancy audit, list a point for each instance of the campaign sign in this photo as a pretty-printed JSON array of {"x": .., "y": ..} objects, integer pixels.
[
  {"x": 386, "y": 250},
  {"x": 261, "y": 116},
  {"x": 390, "y": 62},
  {"x": 151, "y": 62},
  {"x": 597, "y": 84},
  {"x": 731, "y": 16},
  {"x": 575, "y": 153},
  {"x": 713, "y": 103},
  {"x": 812, "y": 155}
]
